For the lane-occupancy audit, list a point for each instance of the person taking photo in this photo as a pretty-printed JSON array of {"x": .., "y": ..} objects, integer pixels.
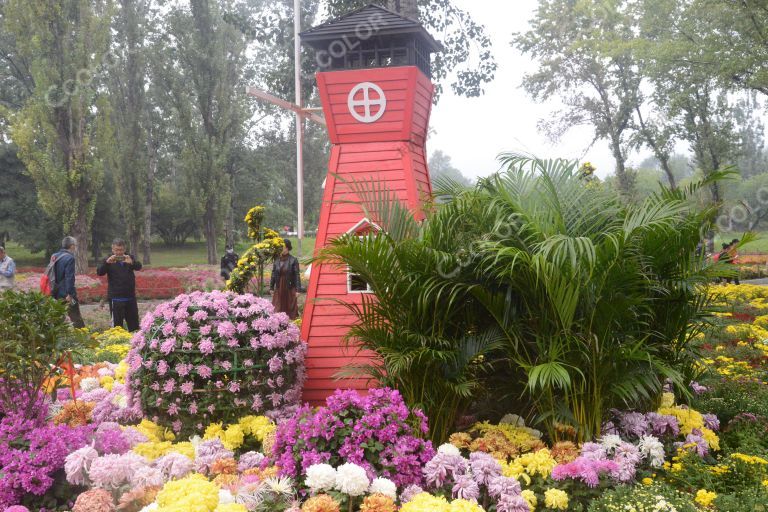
[{"x": 119, "y": 268}]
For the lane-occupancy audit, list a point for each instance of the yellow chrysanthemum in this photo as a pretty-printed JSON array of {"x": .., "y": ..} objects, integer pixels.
[
  {"x": 462, "y": 505},
  {"x": 154, "y": 432},
  {"x": 425, "y": 502},
  {"x": 213, "y": 430},
  {"x": 120, "y": 371},
  {"x": 529, "y": 496},
  {"x": 193, "y": 493},
  {"x": 555, "y": 499},
  {"x": 705, "y": 498},
  {"x": 184, "y": 448},
  {"x": 749, "y": 459},
  {"x": 257, "y": 426},
  {"x": 231, "y": 507},
  {"x": 107, "y": 382},
  {"x": 152, "y": 450},
  {"x": 233, "y": 437}
]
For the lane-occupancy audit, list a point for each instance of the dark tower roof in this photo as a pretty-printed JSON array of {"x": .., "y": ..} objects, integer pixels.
[{"x": 369, "y": 22}]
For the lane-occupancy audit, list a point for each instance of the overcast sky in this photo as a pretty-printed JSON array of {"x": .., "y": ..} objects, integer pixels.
[{"x": 473, "y": 131}]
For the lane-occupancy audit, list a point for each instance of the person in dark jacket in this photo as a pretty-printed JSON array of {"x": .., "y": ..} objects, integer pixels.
[
  {"x": 286, "y": 282},
  {"x": 121, "y": 286},
  {"x": 228, "y": 263},
  {"x": 64, "y": 267}
]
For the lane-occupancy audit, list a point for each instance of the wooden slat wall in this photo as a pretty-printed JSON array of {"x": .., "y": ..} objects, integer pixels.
[{"x": 390, "y": 150}]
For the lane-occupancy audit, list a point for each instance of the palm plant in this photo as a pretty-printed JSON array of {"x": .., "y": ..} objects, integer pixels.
[
  {"x": 597, "y": 297},
  {"x": 431, "y": 338},
  {"x": 590, "y": 303}
]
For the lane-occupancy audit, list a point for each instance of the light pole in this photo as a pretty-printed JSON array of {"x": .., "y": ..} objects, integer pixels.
[{"x": 299, "y": 123}]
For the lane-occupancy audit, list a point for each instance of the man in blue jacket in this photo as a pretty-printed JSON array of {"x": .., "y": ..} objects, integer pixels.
[{"x": 65, "y": 280}]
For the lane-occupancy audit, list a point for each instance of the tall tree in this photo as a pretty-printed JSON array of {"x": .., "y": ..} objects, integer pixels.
[
  {"x": 205, "y": 85},
  {"x": 692, "y": 99},
  {"x": 128, "y": 75},
  {"x": 575, "y": 44},
  {"x": 63, "y": 131}
]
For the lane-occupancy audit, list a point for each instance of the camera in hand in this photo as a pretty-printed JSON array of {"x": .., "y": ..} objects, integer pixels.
[{"x": 119, "y": 258}]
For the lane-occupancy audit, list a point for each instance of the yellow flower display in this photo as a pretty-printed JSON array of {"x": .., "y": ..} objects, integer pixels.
[
  {"x": 749, "y": 459},
  {"x": 461, "y": 505},
  {"x": 556, "y": 499},
  {"x": 107, "y": 382},
  {"x": 538, "y": 463},
  {"x": 154, "y": 432},
  {"x": 184, "y": 448},
  {"x": 529, "y": 496},
  {"x": 231, "y": 507},
  {"x": 152, "y": 450},
  {"x": 257, "y": 426},
  {"x": 425, "y": 502},
  {"x": 190, "y": 494},
  {"x": 120, "y": 371},
  {"x": 705, "y": 498},
  {"x": 233, "y": 436}
]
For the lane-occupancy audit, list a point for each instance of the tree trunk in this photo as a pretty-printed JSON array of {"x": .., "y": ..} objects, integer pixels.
[
  {"x": 229, "y": 227},
  {"x": 664, "y": 161},
  {"x": 624, "y": 180},
  {"x": 80, "y": 232},
  {"x": 209, "y": 219},
  {"x": 149, "y": 192},
  {"x": 663, "y": 156}
]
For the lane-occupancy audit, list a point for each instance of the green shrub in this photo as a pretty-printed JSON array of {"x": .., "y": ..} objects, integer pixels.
[
  {"x": 728, "y": 398},
  {"x": 750, "y": 500},
  {"x": 34, "y": 338},
  {"x": 584, "y": 302}
]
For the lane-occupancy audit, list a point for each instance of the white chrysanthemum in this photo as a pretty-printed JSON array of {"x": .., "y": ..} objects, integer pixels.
[
  {"x": 610, "y": 442},
  {"x": 89, "y": 384},
  {"x": 151, "y": 507},
  {"x": 653, "y": 450},
  {"x": 448, "y": 449},
  {"x": 384, "y": 486},
  {"x": 321, "y": 477},
  {"x": 351, "y": 479},
  {"x": 283, "y": 486},
  {"x": 225, "y": 497}
]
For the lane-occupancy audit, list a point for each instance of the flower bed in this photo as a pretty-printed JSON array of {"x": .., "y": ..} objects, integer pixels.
[
  {"x": 704, "y": 452},
  {"x": 151, "y": 283}
]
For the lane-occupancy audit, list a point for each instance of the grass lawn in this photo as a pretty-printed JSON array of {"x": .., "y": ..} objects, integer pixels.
[{"x": 191, "y": 253}]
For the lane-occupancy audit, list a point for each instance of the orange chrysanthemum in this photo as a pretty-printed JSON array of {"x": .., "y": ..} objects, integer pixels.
[
  {"x": 321, "y": 503},
  {"x": 378, "y": 503}
]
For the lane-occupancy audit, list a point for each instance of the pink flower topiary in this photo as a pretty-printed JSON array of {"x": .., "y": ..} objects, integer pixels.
[{"x": 214, "y": 357}]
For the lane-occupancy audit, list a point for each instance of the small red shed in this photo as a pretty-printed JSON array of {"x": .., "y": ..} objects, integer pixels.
[{"x": 375, "y": 88}]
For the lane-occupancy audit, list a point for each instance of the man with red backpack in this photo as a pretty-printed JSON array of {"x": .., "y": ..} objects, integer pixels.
[{"x": 64, "y": 279}]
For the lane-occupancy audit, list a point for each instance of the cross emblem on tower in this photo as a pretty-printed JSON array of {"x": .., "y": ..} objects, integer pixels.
[{"x": 368, "y": 102}]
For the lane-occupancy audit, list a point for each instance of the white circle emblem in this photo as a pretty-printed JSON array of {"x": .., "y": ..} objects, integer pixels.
[{"x": 367, "y": 114}]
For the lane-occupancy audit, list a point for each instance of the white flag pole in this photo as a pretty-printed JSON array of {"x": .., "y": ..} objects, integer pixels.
[{"x": 299, "y": 124}]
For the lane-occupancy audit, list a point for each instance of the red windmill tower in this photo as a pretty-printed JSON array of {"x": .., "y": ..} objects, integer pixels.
[{"x": 375, "y": 88}]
